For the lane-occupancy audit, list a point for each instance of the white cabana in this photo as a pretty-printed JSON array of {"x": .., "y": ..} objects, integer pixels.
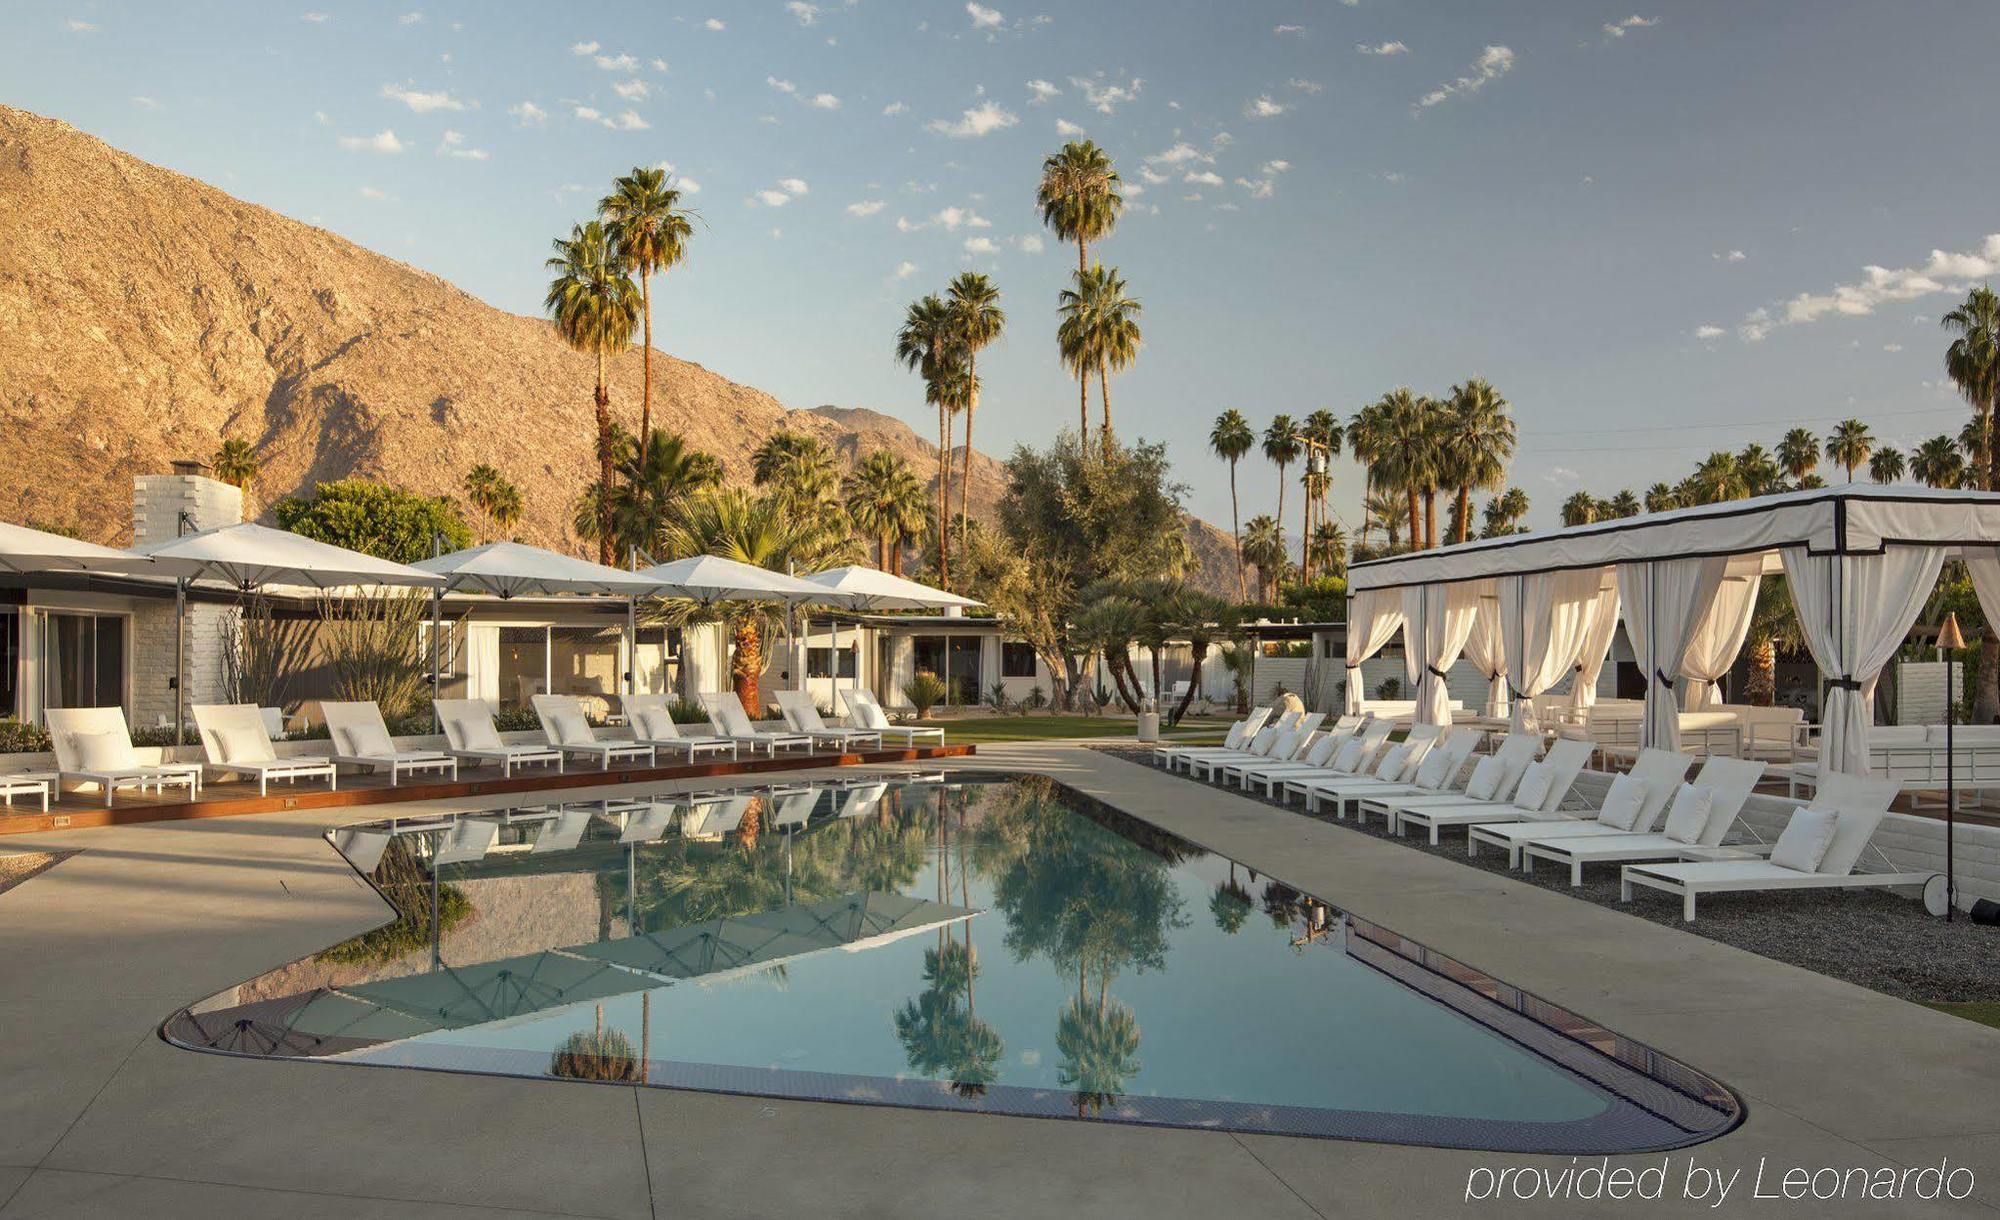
[
  {"x": 864, "y": 588},
  {"x": 249, "y": 557},
  {"x": 1861, "y": 561}
]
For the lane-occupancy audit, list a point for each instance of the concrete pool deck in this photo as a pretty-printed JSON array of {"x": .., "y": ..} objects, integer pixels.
[{"x": 100, "y": 1117}]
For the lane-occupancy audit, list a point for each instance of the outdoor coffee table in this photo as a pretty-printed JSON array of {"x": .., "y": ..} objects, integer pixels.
[{"x": 28, "y": 783}]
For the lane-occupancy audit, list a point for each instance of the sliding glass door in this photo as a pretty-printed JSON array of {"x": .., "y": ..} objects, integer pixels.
[{"x": 83, "y": 660}]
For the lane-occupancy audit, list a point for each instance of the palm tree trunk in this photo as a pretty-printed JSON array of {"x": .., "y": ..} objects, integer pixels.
[
  {"x": 1416, "y": 520},
  {"x": 1986, "y": 704},
  {"x": 943, "y": 493},
  {"x": 602, "y": 400},
  {"x": 1199, "y": 650},
  {"x": 646, "y": 394},
  {"x": 1430, "y": 518},
  {"x": 1464, "y": 513},
  {"x": 1236, "y": 529},
  {"x": 1306, "y": 538},
  {"x": 965, "y": 463},
  {"x": 882, "y": 550},
  {"x": 1104, "y": 392},
  {"x": 1281, "y": 496},
  {"x": 746, "y": 667}
]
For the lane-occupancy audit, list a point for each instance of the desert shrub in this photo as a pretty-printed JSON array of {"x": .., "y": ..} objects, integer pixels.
[
  {"x": 924, "y": 691},
  {"x": 22, "y": 737}
]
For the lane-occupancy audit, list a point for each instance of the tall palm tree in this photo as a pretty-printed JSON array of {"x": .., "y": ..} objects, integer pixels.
[
  {"x": 654, "y": 478},
  {"x": 951, "y": 393},
  {"x": 487, "y": 490},
  {"x": 595, "y": 306},
  {"x": 1100, "y": 330},
  {"x": 1385, "y": 512},
  {"x": 1079, "y": 199},
  {"x": 1972, "y": 361},
  {"x": 1479, "y": 438},
  {"x": 1887, "y": 465},
  {"x": 1328, "y": 547},
  {"x": 1761, "y": 473},
  {"x": 928, "y": 344},
  {"x": 1502, "y": 514},
  {"x": 886, "y": 501},
  {"x": 1230, "y": 439},
  {"x": 1281, "y": 449},
  {"x": 1264, "y": 545},
  {"x": 650, "y": 230},
  {"x": 1579, "y": 509},
  {"x": 1660, "y": 498},
  {"x": 1798, "y": 453},
  {"x": 1324, "y": 436},
  {"x": 976, "y": 315},
  {"x": 1849, "y": 445},
  {"x": 1620, "y": 506},
  {"x": 235, "y": 462},
  {"x": 1718, "y": 478},
  {"x": 1938, "y": 463},
  {"x": 1405, "y": 456}
]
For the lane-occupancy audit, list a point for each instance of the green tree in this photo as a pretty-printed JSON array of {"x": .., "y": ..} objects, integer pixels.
[
  {"x": 1972, "y": 361},
  {"x": 1718, "y": 478},
  {"x": 1478, "y": 441},
  {"x": 1503, "y": 513},
  {"x": 653, "y": 478},
  {"x": 1760, "y": 472},
  {"x": 1230, "y": 439},
  {"x": 375, "y": 519},
  {"x": 1938, "y": 463},
  {"x": 1264, "y": 545},
  {"x": 1579, "y": 509},
  {"x": 1622, "y": 505},
  {"x": 489, "y": 491},
  {"x": 1798, "y": 453},
  {"x": 1887, "y": 465},
  {"x": 1660, "y": 498},
  {"x": 928, "y": 344},
  {"x": 1849, "y": 445},
  {"x": 235, "y": 463},
  {"x": 1099, "y": 331},
  {"x": 1079, "y": 199},
  {"x": 1281, "y": 449},
  {"x": 650, "y": 231},
  {"x": 887, "y": 502},
  {"x": 595, "y": 306},
  {"x": 977, "y": 318}
]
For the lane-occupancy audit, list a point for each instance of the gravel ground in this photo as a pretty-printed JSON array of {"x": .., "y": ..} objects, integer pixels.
[
  {"x": 1870, "y": 938},
  {"x": 21, "y": 865}
]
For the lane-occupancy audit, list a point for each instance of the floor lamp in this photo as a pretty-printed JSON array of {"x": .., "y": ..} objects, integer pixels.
[{"x": 1950, "y": 639}]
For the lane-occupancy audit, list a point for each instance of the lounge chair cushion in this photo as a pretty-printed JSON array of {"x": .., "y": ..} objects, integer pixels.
[
  {"x": 369, "y": 741},
  {"x": 1434, "y": 770},
  {"x": 1623, "y": 803},
  {"x": 103, "y": 751},
  {"x": 1349, "y": 757},
  {"x": 1806, "y": 837},
  {"x": 569, "y": 728},
  {"x": 657, "y": 724},
  {"x": 1391, "y": 766},
  {"x": 478, "y": 733},
  {"x": 242, "y": 743},
  {"x": 1687, "y": 817},
  {"x": 1486, "y": 778},
  {"x": 1535, "y": 784}
]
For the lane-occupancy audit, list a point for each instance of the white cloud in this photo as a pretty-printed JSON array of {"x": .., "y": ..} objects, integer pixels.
[
  {"x": 1040, "y": 91},
  {"x": 866, "y": 207},
  {"x": 1030, "y": 243},
  {"x": 80, "y": 27},
  {"x": 1263, "y": 107},
  {"x": 778, "y": 196},
  {"x": 905, "y": 225},
  {"x": 583, "y": 48},
  {"x": 1276, "y": 167},
  {"x": 1105, "y": 96},
  {"x": 529, "y": 114},
  {"x": 1944, "y": 271},
  {"x": 782, "y": 86},
  {"x": 1178, "y": 154},
  {"x": 422, "y": 101},
  {"x": 634, "y": 90},
  {"x": 1892, "y": 347},
  {"x": 772, "y": 198},
  {"x": 1382, "y": 48},
  {"x": 658, "y": 64},
  {"x": 370, "y": 192},
  {"x": 808, "y": 14},
  {"x": 984, "y": 18},
  {"x": 380, "y": 142},
  {"x": 410, "y": 18},
  {"x": 316, "y": 18},
  {"x": 1282, "y": 30},
  {"x": 981, "y": 245},
  {"x": 796, "y": 186},
  {"x": 905, "y": 269},
  {"x": 715, "y": 25},
  {"x": 1709, "y": 332},
  {"x": 1068, "y": 130},
  {"x": 1729, "y": 256},
  {"x": 1304, "y": 86},
  {"x": 1618, "y": 29},
  {"x": 822, "y": 101},
  {"x": 983, "y": 119},
  {"x": 1207, "y": 177},
  {"x": 453, "y": 145},
  {"x": 1492, "y": 64},
  {"x": 894, "y": 108},
  {"x": 616, "y": 63},
  {"x": 954, "y": 217},
  {"x": 145, "y": 103},
  {"x": 624, "y": 120}
]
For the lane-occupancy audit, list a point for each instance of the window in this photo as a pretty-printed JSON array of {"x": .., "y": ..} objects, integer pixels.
[
  {"x": 10, "y": 663},
  {"x": 1017, "y": 659},
  {"x": 83, "y": 660},
  {"x": 819, "y": 662}
]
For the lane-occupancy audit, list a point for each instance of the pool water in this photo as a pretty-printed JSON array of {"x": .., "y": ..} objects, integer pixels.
[{"x": 996, "y": 944}]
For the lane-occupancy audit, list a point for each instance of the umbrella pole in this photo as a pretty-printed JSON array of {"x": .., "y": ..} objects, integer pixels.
[
  {"x": 632, "y": 646},
  {"x": 437, "y": 657},
  {"x": 180, "y": 658}
]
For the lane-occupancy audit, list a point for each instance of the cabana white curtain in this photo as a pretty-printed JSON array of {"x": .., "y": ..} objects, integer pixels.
[
  {"x": 1984, "y": 565},
  {"x": 1596, "y": 646},
  {"x": 1544, "y": 619},
  {"x": 1440, "y": 617},
  {"x": 1666, "y": 604},
  {"x": 1854, "y": 611},
  {"x": 1720, "y": 638},
  {"x": 1487, "y": 650},
  {"x": 1373, "y": 618}
]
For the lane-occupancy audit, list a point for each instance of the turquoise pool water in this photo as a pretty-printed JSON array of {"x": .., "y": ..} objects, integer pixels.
[{"x": 996, "y": 944}]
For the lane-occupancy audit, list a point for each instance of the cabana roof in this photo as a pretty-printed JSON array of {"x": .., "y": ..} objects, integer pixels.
[{"x": 1854, "y": 519}]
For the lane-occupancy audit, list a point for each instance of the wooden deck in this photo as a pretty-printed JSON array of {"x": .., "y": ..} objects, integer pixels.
[{"x": 78, "y": 810}]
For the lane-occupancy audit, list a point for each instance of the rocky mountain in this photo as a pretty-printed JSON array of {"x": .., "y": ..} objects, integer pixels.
[{"x": 144, "y": 316}]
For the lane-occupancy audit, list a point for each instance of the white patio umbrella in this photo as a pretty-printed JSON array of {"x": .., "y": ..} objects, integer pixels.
[
  {"x": 865, "y": 588},
  {"x": 31, "y": 550},
  {"x": 709, "y": 579},
  {"x": 251, "y": 556},
  {"x": 513, "y": 569}
]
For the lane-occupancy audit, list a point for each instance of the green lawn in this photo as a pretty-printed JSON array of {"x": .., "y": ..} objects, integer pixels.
[
  {"x": 1061, "y": 727},
  {"x": 1986, "y": 1012}
]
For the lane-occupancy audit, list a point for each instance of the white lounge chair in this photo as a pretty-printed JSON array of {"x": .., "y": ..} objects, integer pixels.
[
  {"x": 862, "y": 798},
  {"x": 93, "y": 745},
  {"x": 1239, "y": 733},
  {"x": 1318, "y": 757},
  {"x": 1728, "y": 782},
  {"x": 727, "y": 717},
  {"x": 1354, "y": 758},
  {"x": 233, "y": 740},
  {"x": 1658, "y": 772},
  {"x": 802, "y": 714},
  {"x": 1434, "y": 770},
  {"x": 1509, "y": 760},
  {"x": 792, "y": 809},
  {"x": 1858, "y": 807},
  {"x": 865, "y": 712},
  {"x": 1233, "y": 773},
  {"x": 568, "y": 729},
  {"x": 653, "y": 724},
  {"x": 1564, "y": 762},
  {"x": 1257, "y": 739},
  {"x": 715, "y": 815},
  {"x": 470, "y": 736},
  {"x": 361, "y": 739},
  {"x": 1287, "y": 745}
]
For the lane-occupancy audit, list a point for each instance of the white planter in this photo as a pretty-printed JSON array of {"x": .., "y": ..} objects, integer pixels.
[{"x": 1149, "y": 726}]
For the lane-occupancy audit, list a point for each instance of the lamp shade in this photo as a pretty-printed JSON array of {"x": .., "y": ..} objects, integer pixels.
[{"x": 1949, "y": 636}]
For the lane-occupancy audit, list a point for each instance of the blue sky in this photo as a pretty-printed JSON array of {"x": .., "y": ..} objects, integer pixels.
[{"x": 1658, "y": 230}]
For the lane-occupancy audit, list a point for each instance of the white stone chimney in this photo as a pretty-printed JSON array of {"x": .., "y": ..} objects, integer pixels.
[{"x": 159, "y": 500}]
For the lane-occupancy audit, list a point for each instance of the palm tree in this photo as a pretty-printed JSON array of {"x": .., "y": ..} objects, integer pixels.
[
  {"x": 1660, "y": 498},
  {"x": 1579, "y": 509},
  {"x": 650, "y": 231},
  {"x": 1773, "y": 626},
  {"x": 1503, "y": 513},
  {"x": 1760, "y": 472},
  {"x": 1099, "y": 331},
  {"x": 1849, "y": 445},
  {"x": 653, "y": 480},
  {"x": 1479, "y": 439},
  {"x": 1385, "y": 512},
  {"x": 1405, "y": 455},
  {"x": 886, "y": 501},
  {"x": 978, "y": 319},
  {"x": 1620, "y": 506},
  {"x": 1281, "y": 449},
  {"x": 1323, "y": 436},
  {"x": 1230, "y": 440},
  {"x": 1973, "y": 364},
  {"x": 1798, "y": 453},
  {"x": 928, "y": 343},
  {"x": 1717, "y": 478},
  {"x": 1887, "y": 465},
  {"x": 487, "y": 490},
  {"x": 1938, "y": 463},
  {"x": 595, "y": 306},
  {"x": 235, "y": 463},
  {"x": 1079, "y": 199},
  {"x": 1328, "y": 547},
  {"x": 1264, "y": 545}
]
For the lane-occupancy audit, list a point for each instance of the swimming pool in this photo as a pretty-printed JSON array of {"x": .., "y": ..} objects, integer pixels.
[{"x": 996, "y": 944}]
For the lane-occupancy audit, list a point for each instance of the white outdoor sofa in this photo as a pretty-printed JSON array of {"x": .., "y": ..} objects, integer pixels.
[
  {"x": 361, "y": 739},
  {"x": 233, "y": 740},
  {"x": 1914, "y": 757}
]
